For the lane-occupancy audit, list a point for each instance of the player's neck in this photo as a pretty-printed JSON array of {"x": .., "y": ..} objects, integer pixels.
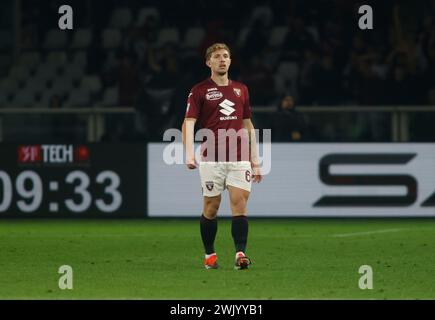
[{"x": 220, "y": 80}]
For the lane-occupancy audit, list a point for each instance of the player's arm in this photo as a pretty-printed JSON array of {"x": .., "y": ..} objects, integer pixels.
[
  {"x": 188, "y": 141},
  {"x": 192, "y": 113},
  {"x": 255, "y": 163}
]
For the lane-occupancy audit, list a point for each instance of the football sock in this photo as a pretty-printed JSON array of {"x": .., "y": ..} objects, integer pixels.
[
  {"x": 208, "y": 233},
  {"x": 239, "y": 230}
]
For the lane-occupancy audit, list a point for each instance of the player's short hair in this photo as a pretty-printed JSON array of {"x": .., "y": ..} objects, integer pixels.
[{"x": 214, "y": 47}]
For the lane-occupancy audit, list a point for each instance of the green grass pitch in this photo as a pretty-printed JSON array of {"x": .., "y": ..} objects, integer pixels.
[{"x": 162, "y": 259}]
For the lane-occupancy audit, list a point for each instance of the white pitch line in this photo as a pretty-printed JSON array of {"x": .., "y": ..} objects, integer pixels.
[{"x": 342, "y": 235}]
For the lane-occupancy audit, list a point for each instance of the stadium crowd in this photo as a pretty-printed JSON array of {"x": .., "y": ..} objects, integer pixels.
[{"x": 147, "y": 54}]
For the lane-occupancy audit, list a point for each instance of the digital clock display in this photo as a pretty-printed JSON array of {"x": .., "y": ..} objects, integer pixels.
[{"x": 67, "y": 180}]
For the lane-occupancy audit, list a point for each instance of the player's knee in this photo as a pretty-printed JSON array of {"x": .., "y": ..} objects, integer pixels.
[
  {"x": 238, "y": 204},
  {"x": 211, "y": 207},
  {"x": 210, "y": 212}
]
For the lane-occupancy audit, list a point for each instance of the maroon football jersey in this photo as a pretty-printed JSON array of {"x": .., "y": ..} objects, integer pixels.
[{"x": 221, "y": 107}]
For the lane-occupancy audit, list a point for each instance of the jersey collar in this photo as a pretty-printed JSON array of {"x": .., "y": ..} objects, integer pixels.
[{"x": 215, "y": 84}]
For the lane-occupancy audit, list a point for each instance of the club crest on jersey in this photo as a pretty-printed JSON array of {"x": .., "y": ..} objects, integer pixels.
[
  {"x": 209, "y": 185},
  {"x": 214, "y": 95},
  {"x": 237, "y": 91}
]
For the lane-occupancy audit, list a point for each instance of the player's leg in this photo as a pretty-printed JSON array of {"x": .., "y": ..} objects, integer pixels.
[
  {"x": 239, "y": 188},
  {"x": 208, "y": 226},
  {"x": 212, "y": 186}
]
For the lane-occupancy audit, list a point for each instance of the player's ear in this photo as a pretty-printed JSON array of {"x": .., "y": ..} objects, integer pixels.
[{"x": 208, "y": 63}]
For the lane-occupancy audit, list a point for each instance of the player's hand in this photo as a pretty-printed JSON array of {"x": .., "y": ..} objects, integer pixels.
[
  {"x": 256, "y": 174},
  {"x": 191, "y": 163}
]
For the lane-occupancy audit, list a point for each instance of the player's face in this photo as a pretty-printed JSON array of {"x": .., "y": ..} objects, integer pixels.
[{"x": 219, "y": 62}]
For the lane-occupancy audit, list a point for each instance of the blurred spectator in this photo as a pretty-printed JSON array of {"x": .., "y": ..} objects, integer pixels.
[
  {"x": 55, "y": 102},
  {"x": 155, "y": 96},
  {"x": 62, "y": 126},
  {"x": 288, "y": 124},
  {"x": 164, "y": 65},
  {"x": 29, "y": 37},
  {"x": 256, "y": 39},
  {"x": 307, "y": 81},
  {"x": 328, "y": 81},
  {"x": 150, "y": 29},
  {"x": 399, "y": 84},
  {"x": 129, "y": 81},
  {"x": 431, "y": 97},
  {"x": 365, "y": 83},
  {"x": 427, "y": 78},
  {"x": 258, "y": 77},
  {"x": 31, "y": 29},
  {"x": 192, "y": 71},
  {"x": 262, "y": 12},
  {"x": 296, "y": 41},
  {"x": 135, "y": 44},
  {"x": 215, "y": 32}
]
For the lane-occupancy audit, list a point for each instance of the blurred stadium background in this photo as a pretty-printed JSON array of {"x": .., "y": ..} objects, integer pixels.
[
  {"x": 142, "y": 56},
  {"x": 82, "y": 115}
]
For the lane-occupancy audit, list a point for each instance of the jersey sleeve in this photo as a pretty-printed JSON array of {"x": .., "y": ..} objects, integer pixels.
[
  {"x": 247, "y": 112},
  {"x": 193, "y": 104}
]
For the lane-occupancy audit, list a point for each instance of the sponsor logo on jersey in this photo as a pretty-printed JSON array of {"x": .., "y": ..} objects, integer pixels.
[
  {"x": 237, "y": 91},
  {"x": 214, "y": 95},
  {"x": 211, "y": 89},
  {"x": 227, "y": 109}
]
